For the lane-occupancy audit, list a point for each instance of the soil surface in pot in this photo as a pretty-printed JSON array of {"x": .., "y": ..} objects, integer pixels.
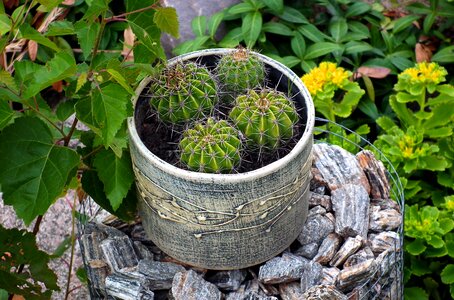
[{"x": 162, "y": 139}]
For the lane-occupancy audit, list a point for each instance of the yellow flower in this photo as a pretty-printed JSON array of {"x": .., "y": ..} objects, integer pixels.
[
  {"x": 323, "y": 75},
  {"x": 425, "y": 73}
]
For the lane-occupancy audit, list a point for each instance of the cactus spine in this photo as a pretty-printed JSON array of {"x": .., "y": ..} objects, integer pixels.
[
  {"x": 183, "y": 92},
  {"x": 240, "y": 71},
  {"x": 211, "y": 147},
  {"x": 266, "y": 118}
]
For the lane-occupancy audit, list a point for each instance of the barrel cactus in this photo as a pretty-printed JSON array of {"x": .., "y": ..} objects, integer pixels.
[
  {"x": 183, "y": 92},
  {"x": 239, "y": 71},
  {"x": 266, "y": 117},
  {"x": 211, "y": 147}
]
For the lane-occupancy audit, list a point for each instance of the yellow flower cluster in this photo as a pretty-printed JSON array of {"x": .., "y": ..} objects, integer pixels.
[
  {"x": 425, "y": 73},
  {"x": 324, "y": 74},
  {"x": 406, "y": 145}
]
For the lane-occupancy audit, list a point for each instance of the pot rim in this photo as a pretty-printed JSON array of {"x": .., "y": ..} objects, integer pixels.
[{"x": 227, "y": 178}]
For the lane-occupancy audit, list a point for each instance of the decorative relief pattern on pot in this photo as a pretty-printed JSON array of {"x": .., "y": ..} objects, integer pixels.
[{"x": 269, "y": 208}]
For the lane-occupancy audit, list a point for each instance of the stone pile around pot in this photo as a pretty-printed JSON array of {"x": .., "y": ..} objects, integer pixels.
[{"x": 349, "y": 247}]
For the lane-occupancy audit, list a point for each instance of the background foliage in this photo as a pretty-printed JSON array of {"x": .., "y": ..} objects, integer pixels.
[
  {"x": 411, "y": 123},
  {"x": 61, "y": 59}
]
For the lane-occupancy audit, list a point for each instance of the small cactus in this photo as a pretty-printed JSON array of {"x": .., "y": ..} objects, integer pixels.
[
  {"x": 211, "y": 147},
  {"x": 266, "y": 118},
  {"x": 183, "y": 92},
  {"x": 239, "y": 71}
]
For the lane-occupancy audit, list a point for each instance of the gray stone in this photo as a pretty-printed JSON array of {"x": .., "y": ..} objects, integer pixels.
[
  {"x": 308, "y": 251},
  {"x": 249, "y": 291},
  {"x": 328, "y": 248},
  {"x": 323, "y": 292},
  {"x": 351, "y": 206},
  {"x": 108, "y": 231},
  {"x": 283, "y": 269},
  {"x": 97, "y": 268},
  {"x": 142, "y": 251},
  {"x": 138, "y": 233},
  {"x": 350, "y": 246},
  {"x": 318, "y": 184},
  {"x": 329, "y": 276},
  {"x": 356, "y": 275},
  {"x": 119, "y": 253},
  {"x": 121, "y": 286},
  {"x": 383, "y": 220},
  {"x": 376, "y": 173},
  {"x": 188, "y": 285},
  {"x": 386, "y": 240},
  {"x": 359, "y": 257},
  {"x": 290, "y": 291},
  {"x": 159, "y": 274},
  {"x": 228, "y": 280},
  {"x": 338, "y": 167},
  {"x": 322, "y": 200},
  {"x": 312, "y": 275},
  {"x": 316, "y": 228},
  {"x": 320, "y": 210}
]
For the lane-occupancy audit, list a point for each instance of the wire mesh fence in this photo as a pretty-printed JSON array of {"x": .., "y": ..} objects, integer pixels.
[{"x": 387, "y": 280}]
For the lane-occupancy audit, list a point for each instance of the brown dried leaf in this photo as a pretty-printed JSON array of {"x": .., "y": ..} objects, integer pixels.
[
  {"x": 11, "y": 3},
  {"x": 32, "y": 50},
  {"x": 423, "y": 53},
  {"x": 373, "y": 72},
  {"x": 128, "y": 44},
  {"x": 18, "y": 297}
]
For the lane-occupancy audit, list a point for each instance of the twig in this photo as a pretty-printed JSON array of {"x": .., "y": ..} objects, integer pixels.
[
  {"x": 116, "y": 18},
  {"x": 67, "y": 138},
  {"x": 73, "y": 240}
]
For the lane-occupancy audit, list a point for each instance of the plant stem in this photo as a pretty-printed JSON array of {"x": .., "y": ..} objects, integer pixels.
[
  {"x": 73, "y": 240},
  {"x": 34, "y": 232},
  {"x": 116, "y": 18},
  {"x": 94, "y": 151},
  {"x": 67, "y": 138},
  {"x": 47, "y": 119},
  {"x": 97, "y": 42}
]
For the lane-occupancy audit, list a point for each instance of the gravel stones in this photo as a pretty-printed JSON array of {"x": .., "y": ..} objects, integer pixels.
[{"x": 348, "y": 247}]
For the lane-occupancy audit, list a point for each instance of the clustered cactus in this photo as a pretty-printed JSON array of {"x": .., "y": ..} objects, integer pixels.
[
  {"x": 264, "y": 118},
  {"x": 212, "y": 147},
  {"x": 240, "y": 71},
  {"x": 183, "y": 92}
]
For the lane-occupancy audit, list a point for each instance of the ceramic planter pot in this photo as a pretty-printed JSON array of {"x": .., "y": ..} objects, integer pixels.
[{"x": 225, "y": 221}]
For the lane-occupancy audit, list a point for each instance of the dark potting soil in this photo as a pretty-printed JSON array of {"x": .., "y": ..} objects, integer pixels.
[{"x": 162, "y": 140}]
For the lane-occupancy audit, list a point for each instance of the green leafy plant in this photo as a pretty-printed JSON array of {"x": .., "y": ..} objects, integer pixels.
[
  {"x": 419, "y": 145},
  {"x": 335, "y": 96},
  {"x": 73, "y": 61}
]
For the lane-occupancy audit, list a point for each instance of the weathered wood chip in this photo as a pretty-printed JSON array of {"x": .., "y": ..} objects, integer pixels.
[
  {"x": 120, "y": 286},
  {"x": 328, "y": 248},
  {"x": 228, "y": 280},
  {"x": 351, "y": 206},
  {"x": 386, "y": 240},
  {"x": 159, "y": 274},
  {"x": 290, "y": 291},
  {"x": 119, "y": 253},
  {"x": 350, "y": 246},
  {"x": 287, "y": 268},
  {"x": 189, "y": 285},
  {"x": 383, "y": 220},
  {"x": 329, "y": 276},
  {"x": 355, "y": 275},
  {"x": 376, "y": 173},
  {"x": 359, "y": 257},
  {"x": 308, "y": 251},
  {"x": 338, "y": 167},
  {"x": 322, "y": 200},
  {"x": 316, "y": 228},
  {"x": 312, "y": 275},
  {"x": 323, "y": 292}
]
